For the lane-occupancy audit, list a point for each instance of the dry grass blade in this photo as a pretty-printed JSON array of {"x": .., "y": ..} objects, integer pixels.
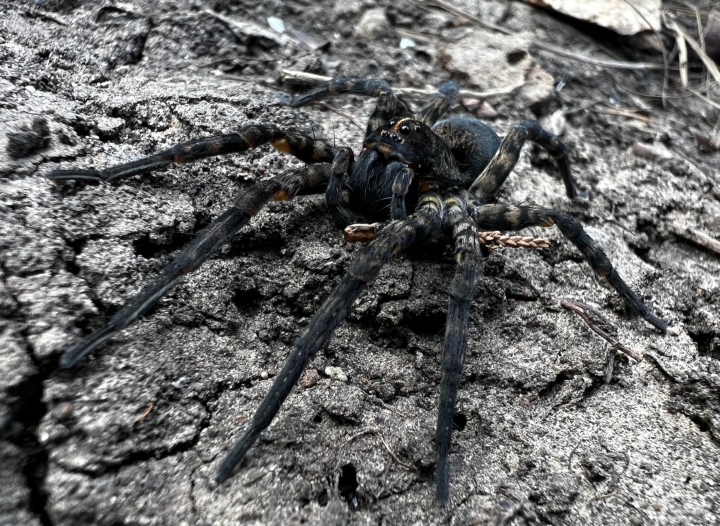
[
  {"x": 345, "y": 114},
  {"x": 498, "y": 239},
  {"x": 697, "y": 48},
  {"x": 696, "y": 237},
  {"x": 584, "y": 312},
  {"x": 682, "y": 60}
]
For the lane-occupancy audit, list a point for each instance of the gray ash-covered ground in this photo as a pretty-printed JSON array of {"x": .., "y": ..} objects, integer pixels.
[{"x": 135, "y": 434}]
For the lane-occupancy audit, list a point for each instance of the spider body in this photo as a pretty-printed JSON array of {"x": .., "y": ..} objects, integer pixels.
[{"x": 446, "y": 173}]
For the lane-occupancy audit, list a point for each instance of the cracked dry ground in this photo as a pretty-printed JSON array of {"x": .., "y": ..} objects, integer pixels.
[{"x": 133, "y": 436}]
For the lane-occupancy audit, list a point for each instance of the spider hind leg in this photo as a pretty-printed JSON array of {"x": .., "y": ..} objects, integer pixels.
[
  {"x": 501, "y": 217},
  {"x": 488, "y": 183}
]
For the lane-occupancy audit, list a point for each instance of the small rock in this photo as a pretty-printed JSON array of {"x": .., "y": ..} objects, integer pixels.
[
  {"x": 487, "y": 61},
  {"x": 406, "y": 43},
  {"x": 372, "y": 23},
  {"x": 310, "y": 378},
  {"x": 276, "y": 24},
  {"x": 539, "y": 87},
  {"x": 652, "y": 152},
  {"x": 336, "y": 373},
  {"x": 555, "y": 123}
]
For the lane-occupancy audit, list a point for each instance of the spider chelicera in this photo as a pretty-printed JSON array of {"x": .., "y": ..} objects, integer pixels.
[{"x": 448, "y": 173}]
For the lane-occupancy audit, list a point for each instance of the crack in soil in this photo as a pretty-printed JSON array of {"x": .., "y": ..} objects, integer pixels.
[{"x": 29, "y": 410}]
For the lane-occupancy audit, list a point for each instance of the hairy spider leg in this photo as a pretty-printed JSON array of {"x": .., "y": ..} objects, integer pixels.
[
  {"x": 459, "y": 227},
  {"x": 439, "y": 103},
  {"x": 388, "y": 105},
  {"x": 397, "y": 236},
  {"x": 301, "y": 146},
  {"x": 502, "y": 217},
  {"x": 488, "y": 183},
  {"x": 311, "y": 179},
  {"x": 342, "y": 166},
  {"x": 401, "y": 185}
]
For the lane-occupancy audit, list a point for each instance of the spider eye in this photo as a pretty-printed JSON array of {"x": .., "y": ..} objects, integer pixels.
[
  {"x": 404, "y": 130},
  {"x": 392, "y": 123}
]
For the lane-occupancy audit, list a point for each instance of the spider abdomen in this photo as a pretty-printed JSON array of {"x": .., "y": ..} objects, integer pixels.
[{"x": 472, "y": 142}]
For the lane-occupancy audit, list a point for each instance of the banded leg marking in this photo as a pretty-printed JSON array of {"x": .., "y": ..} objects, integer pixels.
[
  {"x": 488, "y": 183},
  {"x": 462, "y": 230},
  {"x": 207, "y": 242},
  {"x": 500, "y": 217},
  {"x": 305, "y": 148},
  {"x": 439, "y": 103}
]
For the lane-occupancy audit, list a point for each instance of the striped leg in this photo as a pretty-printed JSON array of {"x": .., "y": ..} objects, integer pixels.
[
  {"x": 388, "y": 106},
  {"x": 439, "y": 103},
  {"x": 500, "y": 217},
  {"x": 488, "y": 183},
  {"x": 342, "y": 165},
  {"x": 462, "y": 230},
  {"x": 397, "y": 236},
  {"x": 304, "y": 148},
  {"x": 311, "y": 179},
  {"x": 402, "y": 179}
]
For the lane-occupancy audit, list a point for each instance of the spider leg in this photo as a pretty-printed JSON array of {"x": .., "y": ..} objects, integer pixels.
[
  {"x": 388, "y": 105},
  {"x": 401, "y": 184},
  {"x": 311, "y": 179},
  {"x": 304, "y": 148},
  {"x": 439, "y": 103},
  {"x": 500, "y": 217},
  {"x": 343, "y": 164},
  {"x": 462, "y": 230},
  {"x": 396, "y": 236},
  {"x": 488, "y": 183}
]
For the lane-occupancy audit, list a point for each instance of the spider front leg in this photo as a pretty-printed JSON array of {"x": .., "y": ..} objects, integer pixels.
[
  {"x": 397, "y": 236},
  {"x": 439, "y": 103},
  {"x": 488, "y": 183},
  {"x": 311, "y": 179},
  {"x": 342, "y": 165},
  {"x": 500, "y": 217},
  {"x": 304, "y": 148},
  {"x": 402, "y": 179},
  {"x": 459, "y": 227},
  {"x": 388, "y": 104}
]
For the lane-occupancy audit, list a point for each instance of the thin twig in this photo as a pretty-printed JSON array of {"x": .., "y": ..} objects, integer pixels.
[
  {"x": 662, "y": 48},
  {"x": 696, "y": 237},
  {"x": 707, "y": 61},
  {"x": 624, "y": 113},
  {"x": 376, "y": 431},
  {"x": 447, "y": 6},
  {"x": 582, "y": 310},
  {"x": 345, "y": 114}
]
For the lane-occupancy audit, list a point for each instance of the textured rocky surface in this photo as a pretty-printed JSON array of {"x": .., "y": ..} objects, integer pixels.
[{"x": 134, "y": 435}]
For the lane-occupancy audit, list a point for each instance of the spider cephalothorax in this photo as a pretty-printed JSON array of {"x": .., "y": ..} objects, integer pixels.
[{"x": 445, "y": 172}]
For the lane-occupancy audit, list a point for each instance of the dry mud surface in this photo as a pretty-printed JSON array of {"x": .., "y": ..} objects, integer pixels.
[{"x": 134, "y": 435}]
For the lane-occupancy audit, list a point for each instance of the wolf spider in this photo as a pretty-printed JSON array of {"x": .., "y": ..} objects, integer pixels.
[{"x": 448, "y": 173}]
